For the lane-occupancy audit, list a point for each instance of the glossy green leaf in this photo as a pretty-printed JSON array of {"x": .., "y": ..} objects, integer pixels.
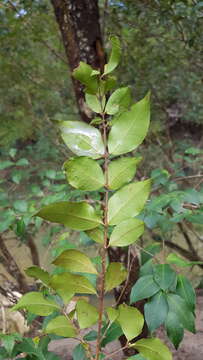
[
  {"x": 114, "y": 57},
  {"x": 186, "y": 291},
  {"x": 61, "y": 326},
  {"x": 153, "y": 349},
  {"x": 175, "y": 259},
  {"x": 174, "y": 329},
  {"x": 72, "y": 283},
  {"x": 122, "y": 171},
  {"x": 96, "y": 234},
  {"x": 84, "y": 173},
  {"x": 115, "y": 275},
  {"x": 82, "y": 139},
  {"x": 35, "y": 303},
  {"x": 127, "y": 232},
  {"x": 87, "y": 314},
  {"x": 37, "y": 273},
  {"x": 94, "y": 103},
  {"x": 155, "y": 311},
  {"x": 131, "y": 321},
  {"x": 83, "y": 73},
  {"x": 118, "y": 101},
  {"x": 128, "y": 201},
  {"x": 164, "y": 276},
  {"x": 76, "y": 261},
  {"x": 178, "y": 306},
  {"x": 112, "y": 314},
  {"x": 130, "y": 129},
  {"x": 145, "y": 287},
  {"x": 76, "y": 215}
]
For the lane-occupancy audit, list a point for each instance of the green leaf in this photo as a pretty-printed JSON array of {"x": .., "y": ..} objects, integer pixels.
[
  {"x": 115, "y": 275},
  {"x": 35, "y": 303},
  {"x": 164, "y": 276},
  {"x": 113, "y": 333},
  {"x": 94, "y": 103},
  {"x": 92, "y": 335},
  {"x": 174, "y": 329},
  {"x": 29, "y": 347},
  {"x": 178, "y": 306},
  {"x": 122, "y": 171},
  {"x": 5, "y": 164},
  {"x": 131, "y": 321},
  {"x": 145, "y": 287},
  {"x": 173, "y": 258},
  {"x": 96, "y": 234},
  {"x": 87, "y": 314},
  {"x": 76, "y": 215},
  {"x": 8, "y": 341},
  {"x": 127, "y": 232},
  {"x": 37, "y": 273},
  {"x": 83, "y": 73},
  {"x": 128, "y": 201},
  {"x": 82, "y": 139},
  {"x": 114, "y": 57},
  {"x": 20, "y": 205},
  {"x": 118, "y": 101},
  {"x": 112, "y": 314},
  {"x": 22, "y": 162},
  {"x": 76, "y": 261},
  {"x": 156, "y": 311},
  {"x": 84, "y": 173},
  {"x": 79, "y": 353},
  {"x": 61, "y": 326},
  {"x": 153, "y": 349},
  {"x": 186, "y": 291},
  {"x": 130, "y": 129},
  {"x": 136, "y": 357},
  {"x": 72, "y": 283}
]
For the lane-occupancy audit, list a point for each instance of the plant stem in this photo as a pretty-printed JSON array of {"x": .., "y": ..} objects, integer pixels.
[{"x": 105, "y": 244}]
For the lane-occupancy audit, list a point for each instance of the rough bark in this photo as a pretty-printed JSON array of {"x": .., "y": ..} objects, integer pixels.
[{"x": 80, "y": 29}]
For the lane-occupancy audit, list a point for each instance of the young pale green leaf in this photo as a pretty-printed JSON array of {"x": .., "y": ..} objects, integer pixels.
[
  {"x": 122, "y": 171},
  {"x": 128, "y": 201},
  {"x": 114, "y": 57},
  {"x": 118, "y": 101},
  {"x": 72, "y": 283},
  {"x": 37, "y": 273},
  {"x": 130, "y": 129},
  {"x": 115, "y": 275},
  {"x": 175, "y": 259},
  {"x": 96, "y": 234},
  {"x": 127, "y": 232},
  {"x": 82, "y": 139},
  {"x": 76, "y": 215},
  {"x": 174, "y": 329},
  {"x": 87, "y": 314},
  {"x": 145, "y": 287},
  {"x": 94, "y": 103},
  {"x": 164, "y": 276},
  {"x": 178, "y": 306},
  {"x": 155, "y": 311},
  {"x": 153, "y": 349},
  {"x": 86, "y": 75},
  {"x": 112, "y": 314},
  {"x": 186, "y": 291},
  {"x": 76, "y": 261},
  {"x": 61, "y": 326},
  {"x": 84, "y": 173},
  {"x": 131, "y": 321},
  {"x": 35, "y": 303}
]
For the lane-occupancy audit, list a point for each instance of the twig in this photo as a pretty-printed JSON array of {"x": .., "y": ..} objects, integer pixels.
[{"x": 116, "y": 351}]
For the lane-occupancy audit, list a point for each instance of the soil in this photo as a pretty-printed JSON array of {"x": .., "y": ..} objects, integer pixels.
[{"x": 191, "y": 348}]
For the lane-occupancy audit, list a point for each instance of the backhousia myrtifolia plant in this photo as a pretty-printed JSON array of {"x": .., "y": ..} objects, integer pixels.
[{"x": 111, "y": 221}]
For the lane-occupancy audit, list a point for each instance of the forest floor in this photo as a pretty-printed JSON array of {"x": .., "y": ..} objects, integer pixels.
[{"x": 191, "y": 348}]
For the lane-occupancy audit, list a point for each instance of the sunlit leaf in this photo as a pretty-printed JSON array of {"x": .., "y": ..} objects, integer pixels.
[
  {"x": 153, "y": 349},
  {"x": 61, "y": 326},
  {"x": 87, "y": 314},
  {"x": 38, "y": 273},
  {"x": 118, "y": 101},
  {"x": 83, "y": 73},
  {"x": 114, "y": 57},
  {"x": 36, "y": 303},
  {"x": 131, "y": 321},
  {"x": 130, "y": 129},
  {"x": 96, "y": 234},
  {"x": 127, "y": 232},
  {"x": 72, "y": 283},
  {"x": 94, "y": 103},
  {"x": 82, "y": 139},
  {"x": 122, "y": 171},
  {"x": 76, "y": 261},
  {"x": 84, "y": 173},
  {"x": 128, "y": 201},
  {"x": 76, "y": 215},
  {"x": 115, "y": 275}
]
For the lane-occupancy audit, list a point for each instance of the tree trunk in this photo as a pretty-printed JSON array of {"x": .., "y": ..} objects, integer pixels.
[{"x": 80, "y": 29}]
